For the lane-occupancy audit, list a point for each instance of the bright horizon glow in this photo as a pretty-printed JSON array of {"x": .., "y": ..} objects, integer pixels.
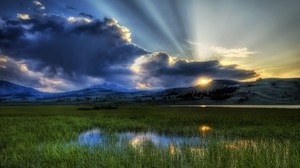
[
  {"x": 203, "y": 81},
  {"x": 204, "y": 31}
]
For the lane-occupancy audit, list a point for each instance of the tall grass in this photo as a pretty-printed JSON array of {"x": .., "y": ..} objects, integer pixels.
[{"x": 45, "y": 136}]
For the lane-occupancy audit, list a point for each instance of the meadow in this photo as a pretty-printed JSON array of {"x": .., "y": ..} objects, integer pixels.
[{"x": 47, "y": 136}]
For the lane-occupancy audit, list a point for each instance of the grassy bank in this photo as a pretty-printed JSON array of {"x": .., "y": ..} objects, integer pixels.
[{"x": 45, "y": 136}]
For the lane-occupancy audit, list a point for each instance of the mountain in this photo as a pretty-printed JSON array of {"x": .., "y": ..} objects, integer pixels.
[
  {"x": 216, "y": 89},
  {"x": 263, "y": 91},
  {"x": 112, "y": 87},
  {"x": 102, "y": 90},
  {"x": 270, "y": 91},
  {"x": 13, "y": 91}
]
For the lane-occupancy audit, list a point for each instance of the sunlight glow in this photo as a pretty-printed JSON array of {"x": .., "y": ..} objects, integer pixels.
[
  {"x": 143, "y": 86},
  {"x": 233, "y": 52},
  {"x": 202, "y": 30},
  {"x": 161, "y": 22},
  {"x": 3, "y": 59},
  {"x": 203, "y": 81},
  {"x": 23, "y": 67}
]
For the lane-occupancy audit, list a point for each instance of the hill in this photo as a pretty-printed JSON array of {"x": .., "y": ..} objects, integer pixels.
[
  {"x": 11, "y": 91},
  {"x": 264, "y": 91}
]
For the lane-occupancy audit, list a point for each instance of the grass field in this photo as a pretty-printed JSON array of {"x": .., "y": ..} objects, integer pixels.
[{"x": 46, "y": 136}]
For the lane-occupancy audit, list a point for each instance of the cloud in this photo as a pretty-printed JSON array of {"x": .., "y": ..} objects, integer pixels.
[
  {"x": 209, "y": 51},
  {"x": 234, "y": 52},
  {"x": 161, "y": 70},
  {"x": 20, "y": 73},
  {"x": 23, "y": 16},
  {"x": 39, "y": 7},
  {"x": 86, "y": 15},
  {"x": 58, "y": 53},
  {"x": 77, "y": 46},
  {"x": 79, "y": 19}
]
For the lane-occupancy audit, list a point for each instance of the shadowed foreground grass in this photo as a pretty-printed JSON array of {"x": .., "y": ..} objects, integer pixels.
[{"x": 45, "y": 136}]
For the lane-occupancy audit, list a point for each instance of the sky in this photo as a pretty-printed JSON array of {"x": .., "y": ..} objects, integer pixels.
[{"x": 62, "y": 45}]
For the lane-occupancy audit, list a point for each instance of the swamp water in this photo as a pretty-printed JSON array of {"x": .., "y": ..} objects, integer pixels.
[
  {"x": 96, "y": 137},
  {"x": 138, "y": 140}
]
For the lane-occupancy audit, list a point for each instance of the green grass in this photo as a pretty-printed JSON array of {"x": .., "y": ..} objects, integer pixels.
[{"x": 45, "y": 136}]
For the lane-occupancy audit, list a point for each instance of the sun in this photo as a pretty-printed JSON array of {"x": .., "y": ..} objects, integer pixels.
[{"x": 203, "y": 81}]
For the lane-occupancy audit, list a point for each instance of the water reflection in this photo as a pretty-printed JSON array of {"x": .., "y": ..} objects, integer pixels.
[
  {"x": 204, "y": 129},
  {"x": 90, "y": 138},
  {"x": 137, "y": 140},
  {"x": 173, "y": 144}
]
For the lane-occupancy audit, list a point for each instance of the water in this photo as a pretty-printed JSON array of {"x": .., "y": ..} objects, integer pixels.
[
  {"x": 97, "y": 137},
  {"x": 138, "y": 139},
  {"x": 91, "y": 137},
  {"x": 242, "y": 106},
  {"x": 173, "y": 144}
]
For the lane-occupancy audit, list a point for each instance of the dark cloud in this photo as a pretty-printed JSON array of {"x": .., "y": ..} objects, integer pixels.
[
  {"x": 19, "y": 72},
  {"x": 86, "y": 15},
  {"x": 80, "y": 46},
  {"x": 161, "y": 70}
]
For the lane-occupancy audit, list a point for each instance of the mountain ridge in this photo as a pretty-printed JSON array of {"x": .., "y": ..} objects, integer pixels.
[{"x": 263, "y": 91}]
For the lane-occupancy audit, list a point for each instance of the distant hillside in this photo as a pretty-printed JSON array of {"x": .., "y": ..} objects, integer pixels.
[
  {"x": 101, "y": 90},
  {"x": 11, "y": 91},
  {"x": 270, "y": 91},
  {"x": 264, "y": 91},
  {"x": 215, "y": 90},
  {"x": 112, "y": 87}
]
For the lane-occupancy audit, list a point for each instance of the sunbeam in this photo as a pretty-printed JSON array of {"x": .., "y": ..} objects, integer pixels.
[{"x": 176, "y": 40}]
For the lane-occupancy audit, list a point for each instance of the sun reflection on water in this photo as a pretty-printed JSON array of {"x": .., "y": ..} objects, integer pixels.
[
  {"x": 204, "y": 129},
  {"x": 172, "y": 149}
]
